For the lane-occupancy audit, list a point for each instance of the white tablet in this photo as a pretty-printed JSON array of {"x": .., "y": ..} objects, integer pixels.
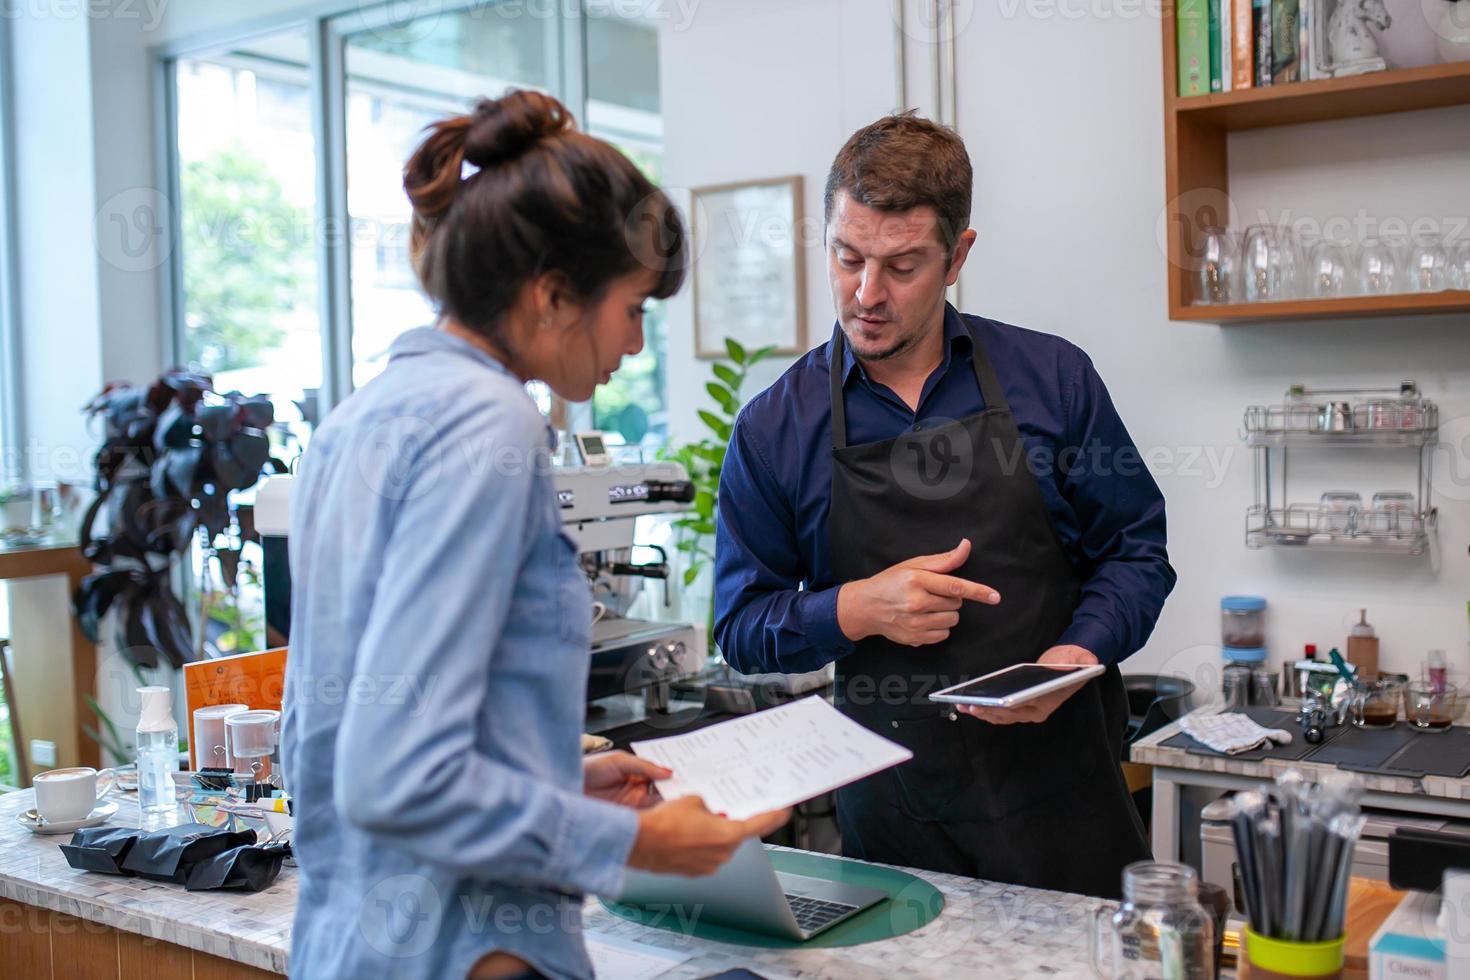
[{"x": 1016, "y": 685}]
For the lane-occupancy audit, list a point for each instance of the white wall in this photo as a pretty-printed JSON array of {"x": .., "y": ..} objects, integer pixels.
[
  {"x": 765, "y": 88},
  {"x": 1070, "y": 180},
  {"x": 1063, "y": 117}
]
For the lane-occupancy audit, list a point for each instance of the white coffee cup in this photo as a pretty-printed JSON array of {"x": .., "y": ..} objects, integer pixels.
[{"x": 71, "y": 794}]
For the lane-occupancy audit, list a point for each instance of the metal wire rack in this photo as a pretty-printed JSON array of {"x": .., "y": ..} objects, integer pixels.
[{"x": 1364, "y": 418}]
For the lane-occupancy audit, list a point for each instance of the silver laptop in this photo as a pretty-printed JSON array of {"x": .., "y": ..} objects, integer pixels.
[{"x": 747, "y": 893}]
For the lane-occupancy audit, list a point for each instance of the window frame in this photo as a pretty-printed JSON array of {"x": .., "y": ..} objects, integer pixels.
[
  {"x": 327, "y": 28},
  {"x": 12, "y": 392}
]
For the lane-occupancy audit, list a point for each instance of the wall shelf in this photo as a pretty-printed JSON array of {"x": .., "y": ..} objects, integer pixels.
[
  {"x": 1372, "y": 532},
  {"x": 1336, "y": 307},
  {"x": 1197, "y": 173},
  {"x": 1341, "y": 418},
  {"x": 1376, "y": 93}
]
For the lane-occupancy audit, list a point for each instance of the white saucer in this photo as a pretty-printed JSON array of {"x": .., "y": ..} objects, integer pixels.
[{"x": 32, "y": 821}]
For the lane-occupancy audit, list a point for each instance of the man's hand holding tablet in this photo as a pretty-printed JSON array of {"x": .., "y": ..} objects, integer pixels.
[{"x": 1024, "y": 693}]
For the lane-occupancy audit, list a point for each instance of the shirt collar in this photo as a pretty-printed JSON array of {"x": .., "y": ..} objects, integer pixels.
[
  {"x": 957, "y": 341},
  {"x": 430, "y": 340}
]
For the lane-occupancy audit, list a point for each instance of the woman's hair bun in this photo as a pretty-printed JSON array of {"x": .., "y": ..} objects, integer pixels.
[
  {"x": 503, "y": 129},
  {"x": 546, "y": 199}
]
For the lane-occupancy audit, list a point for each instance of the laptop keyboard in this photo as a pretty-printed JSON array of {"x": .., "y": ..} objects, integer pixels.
[{"x": 813, "y": 913}]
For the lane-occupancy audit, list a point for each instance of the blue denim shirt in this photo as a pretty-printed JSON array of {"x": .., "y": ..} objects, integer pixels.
[{"x": 435, "y": 684}]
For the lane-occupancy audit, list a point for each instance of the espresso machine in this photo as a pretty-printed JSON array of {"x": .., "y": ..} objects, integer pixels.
[{"x": 636, "y": 660}]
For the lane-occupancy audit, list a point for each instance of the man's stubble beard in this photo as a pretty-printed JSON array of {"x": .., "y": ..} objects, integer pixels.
[{"x": 903, "y": 344}]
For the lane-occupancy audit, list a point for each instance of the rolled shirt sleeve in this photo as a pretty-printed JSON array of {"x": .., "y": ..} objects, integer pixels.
[{"x": 765, "y": 622}]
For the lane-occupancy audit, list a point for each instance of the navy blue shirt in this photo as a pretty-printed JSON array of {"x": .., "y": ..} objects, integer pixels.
[{"x": 775, "y": 596}]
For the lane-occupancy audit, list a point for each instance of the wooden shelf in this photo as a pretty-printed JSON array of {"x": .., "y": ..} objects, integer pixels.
[
  {"x": 1400, "y": 90},
  {"x": 1197, "y": 171},
  {"x": 1338, "y": 307}
]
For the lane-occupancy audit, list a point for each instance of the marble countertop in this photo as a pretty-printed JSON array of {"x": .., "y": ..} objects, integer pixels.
[
  {"x": 254, "y": 929},
  {"x": 1149, "y": 751},
  {"x": 1024, "y": 932}
]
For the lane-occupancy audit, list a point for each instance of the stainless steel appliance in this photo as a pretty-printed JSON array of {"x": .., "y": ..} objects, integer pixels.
[{"x": 635, "y": 660}]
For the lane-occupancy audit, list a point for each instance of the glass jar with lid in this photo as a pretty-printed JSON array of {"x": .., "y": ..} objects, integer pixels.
[
  {"x": 1242, "y": 625},
  {"x": 1160, "y": 929}
]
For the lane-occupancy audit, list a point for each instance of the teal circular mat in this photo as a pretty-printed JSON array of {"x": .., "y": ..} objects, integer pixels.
[{"x": 912, "y": 902}]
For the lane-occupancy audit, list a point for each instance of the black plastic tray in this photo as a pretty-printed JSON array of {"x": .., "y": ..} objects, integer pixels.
[
  {"x": 1282, "y": 718},
  {"x": 1363, "y": 749},
  {"x": 1432, "y": 754},
  {"x": 1398, "y": 751}
]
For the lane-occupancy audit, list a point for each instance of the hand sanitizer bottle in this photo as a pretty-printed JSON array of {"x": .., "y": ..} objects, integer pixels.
[{"x": 158, "y": 750}]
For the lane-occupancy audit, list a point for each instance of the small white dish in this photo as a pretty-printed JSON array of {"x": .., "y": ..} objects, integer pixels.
[{"x": 32, "y": 821}]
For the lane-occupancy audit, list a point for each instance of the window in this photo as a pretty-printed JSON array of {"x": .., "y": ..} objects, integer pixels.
[
  {"x": 399, "y": 80},
  {"x": 10, "y": 462},
  {"x": 252, "y": 269},
  {"x": 623, "y": 108},
  {"x": 10, "y": 440},
  {"x": 247, "y": 213}
]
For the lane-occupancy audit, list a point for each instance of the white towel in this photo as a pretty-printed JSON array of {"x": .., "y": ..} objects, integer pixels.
[{"x": 1231, "y": 733}]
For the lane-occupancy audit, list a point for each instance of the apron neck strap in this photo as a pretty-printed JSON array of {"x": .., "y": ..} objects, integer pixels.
[
  {"x": 990, "y": 389},
  {"x": 837, "y": 376}
]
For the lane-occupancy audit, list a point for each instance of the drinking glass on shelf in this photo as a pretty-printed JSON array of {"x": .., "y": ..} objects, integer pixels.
[
  {"x": 1430, "y": 707},
  {"x": 1394, "y": 511},
  {"x": 1428, "y": 266},
  {"x": 1339, "y": 512},
  {"x": 1269, "y": 263},
  {"x": 45, "y": 505},
  {"x": 1258, "y": 271},
  {"x": 1378, "y": 268},
  {"x": 1218, "y": 259},
  {"x": 1327, "y": 269},
  {"x": 1459, "y": 254},
  {"x": 1294, "y": 263}
]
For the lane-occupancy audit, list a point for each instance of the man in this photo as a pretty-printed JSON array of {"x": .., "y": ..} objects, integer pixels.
[{"x": 932, "y": 496}]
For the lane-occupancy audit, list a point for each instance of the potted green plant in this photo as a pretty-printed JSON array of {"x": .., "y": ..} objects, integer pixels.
[
  {"x": 172, "y": 454},
  {"x": 705, "y": 457}
]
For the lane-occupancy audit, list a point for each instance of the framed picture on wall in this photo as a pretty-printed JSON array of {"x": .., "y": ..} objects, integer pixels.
[{"x": 749, "y": 282}]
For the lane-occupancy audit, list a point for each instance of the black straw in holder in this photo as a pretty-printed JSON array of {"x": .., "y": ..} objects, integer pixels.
[{"x": 1294, "y": 847}]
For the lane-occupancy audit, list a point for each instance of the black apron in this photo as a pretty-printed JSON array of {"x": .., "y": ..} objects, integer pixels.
[{"x": 1043, "y": 805}]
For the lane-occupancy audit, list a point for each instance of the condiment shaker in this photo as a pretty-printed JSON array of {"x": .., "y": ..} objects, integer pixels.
[{"x": 1362, "y": 648}]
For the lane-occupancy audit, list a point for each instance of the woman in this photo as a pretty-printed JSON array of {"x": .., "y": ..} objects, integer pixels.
[{"x": 446, "y": 825}]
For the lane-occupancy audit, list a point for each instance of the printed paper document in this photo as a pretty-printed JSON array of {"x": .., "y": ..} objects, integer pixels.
[{"x": 771, "y": 759}]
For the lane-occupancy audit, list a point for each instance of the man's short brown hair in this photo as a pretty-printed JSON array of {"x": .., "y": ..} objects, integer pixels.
[{"x": 904, "y": 161}]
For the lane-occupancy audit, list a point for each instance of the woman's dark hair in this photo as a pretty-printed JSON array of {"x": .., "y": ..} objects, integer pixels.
[{"x": 544, "y": 198}]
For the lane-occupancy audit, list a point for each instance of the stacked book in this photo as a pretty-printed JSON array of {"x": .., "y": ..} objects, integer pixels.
[{"x": 1234, "y": 44}]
